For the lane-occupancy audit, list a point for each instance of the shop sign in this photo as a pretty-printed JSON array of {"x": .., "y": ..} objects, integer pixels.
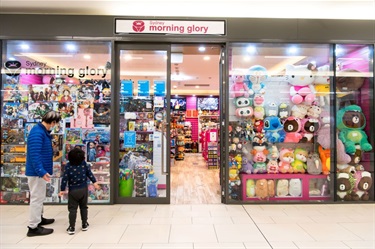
[{"x": 178, "y": 27}]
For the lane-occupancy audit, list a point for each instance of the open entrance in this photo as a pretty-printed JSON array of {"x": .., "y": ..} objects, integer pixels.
[{"x": 194, "y": 124}]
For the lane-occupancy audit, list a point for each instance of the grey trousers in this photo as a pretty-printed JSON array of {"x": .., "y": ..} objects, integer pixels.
[{"x": 37, "y": 188}]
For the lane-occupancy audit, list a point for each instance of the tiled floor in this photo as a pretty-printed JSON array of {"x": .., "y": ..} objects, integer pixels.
[{"x": 215, "y": 226}]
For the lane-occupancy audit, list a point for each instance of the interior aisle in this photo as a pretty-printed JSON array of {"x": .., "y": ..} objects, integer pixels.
[{"x": 193, "y": 183}]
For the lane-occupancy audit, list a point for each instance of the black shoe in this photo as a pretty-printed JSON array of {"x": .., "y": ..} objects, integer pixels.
[
  {"x": 46, "y": 222},
  {"x": 70, "y": 230},
  {"x": 85, "y": 226},
  {"x": 39, "y": 231}
]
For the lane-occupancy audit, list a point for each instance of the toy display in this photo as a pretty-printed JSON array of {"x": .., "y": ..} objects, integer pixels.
[{"x": 256, "y": 76}]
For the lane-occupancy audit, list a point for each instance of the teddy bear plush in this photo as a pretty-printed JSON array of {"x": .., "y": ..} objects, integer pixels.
[
  {"x": 256, "y": 75},
  {"x": 238, "y": 88},
  {"x": 350, "y": 123},
  {"x": 345, "y": 185},
  {"x": 349, "y": 84},
  {"x": 301, "y": 78},
  {"x": 292, "y": 128}
]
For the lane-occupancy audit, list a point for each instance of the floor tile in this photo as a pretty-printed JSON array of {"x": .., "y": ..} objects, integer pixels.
[
  {"x": 284, "y": 232},
  {"x": 166, "y": 246},
  {"x": 146, "y": 234},
  {"x": 257, "y": 245},
  {"x": 360, "y": 244},
  {"x": 219, "y": 246},
  {"x": 328, "y": 232},
  {"x": 365, "y": 230},
  {"x": 238, "y": 233},
  {"x": 283, "y": 245},
  {"x": 321, "y": 245},
  {"x": 192, "y": 233}
]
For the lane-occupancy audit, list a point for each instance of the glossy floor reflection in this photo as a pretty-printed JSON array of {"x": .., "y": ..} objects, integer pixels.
[{"x": 196, "y": 226}]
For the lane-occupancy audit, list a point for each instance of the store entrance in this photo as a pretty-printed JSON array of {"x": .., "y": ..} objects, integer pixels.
[{"x": 194, "y": 124}]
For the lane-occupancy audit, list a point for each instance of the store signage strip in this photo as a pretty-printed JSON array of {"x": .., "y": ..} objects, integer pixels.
[{"x": 177, "y": 27}]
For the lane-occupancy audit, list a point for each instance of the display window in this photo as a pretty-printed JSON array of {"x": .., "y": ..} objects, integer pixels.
[
  {"x": 73, "y": 78},
  {"x": 299, "y": 122}
]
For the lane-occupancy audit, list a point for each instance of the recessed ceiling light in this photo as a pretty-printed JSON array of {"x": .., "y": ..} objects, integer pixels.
[
  {"x": 25, "y": 46},
  {"x": 196, "y": 86},
  {"x": 174, "y": 86},
  {"x": 86, "y": 56},
  {"x": 206, "y": 58},
  {"x": 202, "y": 49},
  {"x": 71, "y": 47}
]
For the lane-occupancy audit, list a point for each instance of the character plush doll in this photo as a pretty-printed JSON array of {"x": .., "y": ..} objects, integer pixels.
[
  {"x": 321, "y": 84},
  {"x": 282, "y": 187},
  {"x": 292, "y": 127},
  {"x": 286, "y": 158},
  {"x": 260, "y": 159},
  {"x": 362, "y": 186},
  {"x": 300, "y": 159},
  {"x": 238, "y": 88},
  {"x": 295, "y": 187},
  {"x": 301, "y": 78},
  {"x": 284, "y": 111},
  {"x": 243, "y": 107},
  {"x": 346, "y": 84},
  {"x": 256, "y": 76},
  {"x": 272, "y": 109},
  {"x": 272, "y": 167},
  {"x": 310, "y": 127},
  {"x": 274, "y": 130},
  {"x": 350, "y": 123},
  {"x": 314, "y": 164},
  {"x": 261, "y": 189}
]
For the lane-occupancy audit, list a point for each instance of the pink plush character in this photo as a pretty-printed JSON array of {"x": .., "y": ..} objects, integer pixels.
[
  {"x": 301, "y": 78},
  {"x": 259, "y": 158},
  {"x": 272, "y": 167},
  {"x": 286, "y": 158},
  {"x": 239, "y": 88},
  {"x": 292, "y": 127}
]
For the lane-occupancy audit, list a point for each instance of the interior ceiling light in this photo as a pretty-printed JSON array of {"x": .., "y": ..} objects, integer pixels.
[
  {"x": 25, "y": 46},
  {"x": 206, "y": 58},
  {"x": 202, "y": 49},
  {"x": 87, "y": 56}
]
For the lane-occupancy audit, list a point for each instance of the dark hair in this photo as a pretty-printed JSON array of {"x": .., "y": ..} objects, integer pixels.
[
  {"x": 76, "y": 156},
  {"x": 51, "y": 116}
]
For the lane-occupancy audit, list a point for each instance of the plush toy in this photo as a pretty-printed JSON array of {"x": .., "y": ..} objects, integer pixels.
[
  {"x": 295, "y": 187},
  {"x": 325, "y": 157},
  {"x": 259, "y": 159},
  {"x": 314, "y": 164},
  {"x": 238, "y": 88},
  {"x": 272, "y": 167},
  {"x": 286, "y": 158},
  {"x": 261, "y": 189},
  {"x": 272, "y": 109},
  {"x": 345, "y": 185},
  {"x": 350, "y": 123},
  {"x": 321, "y": 84},
  {"x": 292, "y": 127},
  {"x": 258, "y": 125},
  {"x": 247, "y": 167},
  {"x": 243, "y": 107},
  {"x": 282, "y": 187},
  {"x": 314, "y": 111},
  {"x": 362, "y": 186},
  {"x": 284, "y": 111},
  {"x": 349, "y": 84},
  {"x": 299, "y": 111},
  {"x": 301, "y": 79},
  {"x": 324, "y": 139},
  {"x": 256, "y": 75},
  {"x": 310, "y": 127},
  {"x": 300, "y": 158},
  {"x": 271, "y": 188},
  {"x": 259, "y": 112},
  {"x": 258, "y": 100},
  {"x": 250, "y": 188},
  {"x": 274, "y": 153},
  {"x": 274, "y": 131}
]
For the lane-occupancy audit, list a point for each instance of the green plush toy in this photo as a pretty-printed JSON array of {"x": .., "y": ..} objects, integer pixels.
[{"x": 350, "y": 122}]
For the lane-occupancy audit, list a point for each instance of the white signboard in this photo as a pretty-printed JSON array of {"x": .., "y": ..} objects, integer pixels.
[{"x": 177, "y": 27}]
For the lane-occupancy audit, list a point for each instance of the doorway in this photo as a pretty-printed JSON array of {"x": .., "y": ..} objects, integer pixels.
[{"x": 194, "y": 124}]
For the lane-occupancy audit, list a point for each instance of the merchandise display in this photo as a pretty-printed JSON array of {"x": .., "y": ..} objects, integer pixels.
[{"x": 281, "y": 125}]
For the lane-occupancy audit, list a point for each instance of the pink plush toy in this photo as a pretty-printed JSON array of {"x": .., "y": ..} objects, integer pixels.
[
  {"x": 286, "y": 158},
  {"x": 239, "y": 88},
  {"x": 292, "y": 127},
  {"x": 301, "y": 79}
]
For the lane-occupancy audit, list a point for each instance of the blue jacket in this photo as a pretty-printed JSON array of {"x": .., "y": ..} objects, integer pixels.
[
  {"x": 39, "y": 152},
  {"x": 76, "y": 176}
]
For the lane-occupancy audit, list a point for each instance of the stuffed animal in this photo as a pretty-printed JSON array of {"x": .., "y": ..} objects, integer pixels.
[
  {"x": 247, "y": 167},
  {"x": 238, "y": 88},
  {"x": 301, "y": 78},
  {"x": 282, "y": 187},
  {"x": 274, "y": 153},
  {"x": 350, "y": 123},
  {"x": 314, "y": 111},
  {"x": 258, "y": 125},
  {"x": 258, "y": 99},
  {"x": 274, "y": 131},
  {"x": 272, "y": 167},
  {"x": 284, "y": 111},
  {"x": 292, "y": 127},
  {"x": 261, "y": 189},
  {"x": 321, "y": 84},
  {"x": 314, "y": 164},
  {"x": 310, "y": 127},
  {"x": 271, "y": 188},
  {"x": 256, "y": 75},
  {"x": 362, "y": 186},
  {"x": 300, "y": 159},
  {"x": 346, "y": 84},
  {"x": 325, "y": 157},
  {"x": 250, "y": 188},
  {"x": 243, "y": 107},
  {"x": 299, "y": 111},
  {"x": 345, "y": 185},
  {"x": 259, "y": 112},
  {"x": 295, "y": 187},
  {"x": 286, "y": 158},
  {"x": 272, "y": 109},
  {"x": 260, "y": 158}
]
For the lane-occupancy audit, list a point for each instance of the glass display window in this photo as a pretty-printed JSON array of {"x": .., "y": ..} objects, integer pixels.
[
  {"x": 71, "y": 77},
  {"x": 282, "y": 111}
]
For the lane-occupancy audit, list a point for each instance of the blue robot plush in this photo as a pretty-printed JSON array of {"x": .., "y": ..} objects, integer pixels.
[
  {"x": 255, "y": 76},
  {"x": 350, "y": 123}
]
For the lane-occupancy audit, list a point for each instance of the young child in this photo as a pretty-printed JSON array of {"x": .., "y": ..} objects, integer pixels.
[{"x": 75, "y": 176}]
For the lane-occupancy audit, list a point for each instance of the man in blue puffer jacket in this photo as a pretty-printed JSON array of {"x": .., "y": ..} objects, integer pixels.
[{"x": 39, "y": 167}]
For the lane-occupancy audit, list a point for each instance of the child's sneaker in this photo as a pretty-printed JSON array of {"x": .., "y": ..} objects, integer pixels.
[
  {"x": 85, "y": 226},
  {"x": 70, "y": 230}
]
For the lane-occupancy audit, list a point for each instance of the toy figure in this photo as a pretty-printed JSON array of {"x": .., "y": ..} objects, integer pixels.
[
  {"x": 238, "y": 88},
  {"x": 274, "y": 129},
  {"x": 350, "y": 123},
  {"x": 256, "y": 76},
  {"x": 286, "y": 158},
  {"x": 92, "y": 152},
  {"x": 292, "y": 127},
  {"x": 301, "y": 78},
  {"x": 300, "y": 159}
]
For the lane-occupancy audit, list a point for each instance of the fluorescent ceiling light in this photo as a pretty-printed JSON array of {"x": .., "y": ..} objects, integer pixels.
[{"x": 177, "y": 58}]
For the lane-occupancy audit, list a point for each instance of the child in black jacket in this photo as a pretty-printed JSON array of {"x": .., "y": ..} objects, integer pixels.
[{"x": 75, "y": 176}]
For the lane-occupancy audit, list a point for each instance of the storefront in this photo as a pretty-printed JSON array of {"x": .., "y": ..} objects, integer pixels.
[{"x": 296, "y": 104}]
